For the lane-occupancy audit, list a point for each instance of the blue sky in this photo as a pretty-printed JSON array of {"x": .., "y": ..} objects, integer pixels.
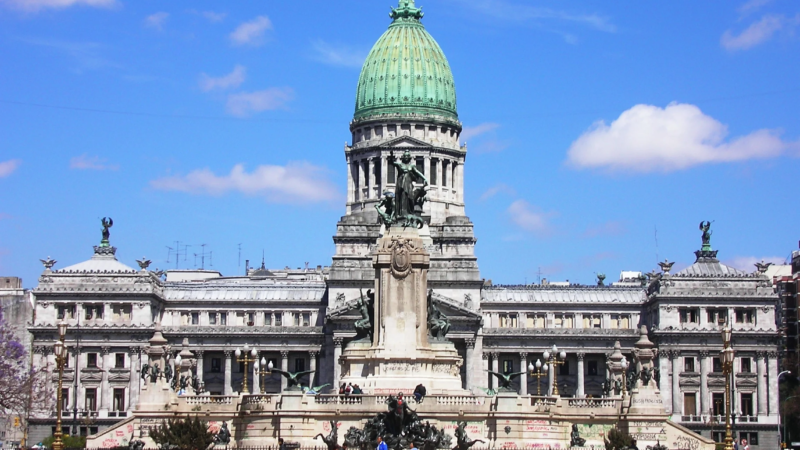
[{"x": 600, "y": 133}]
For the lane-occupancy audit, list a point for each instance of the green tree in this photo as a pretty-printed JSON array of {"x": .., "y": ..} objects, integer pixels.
[
  {"x": 618, "y": 439},
  {"x": 69, "y": 441},
  {"x": 188, "y": 433}
]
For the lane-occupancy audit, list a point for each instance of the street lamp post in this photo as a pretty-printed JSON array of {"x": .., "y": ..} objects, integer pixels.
[
  {"x": 727, "y": 368},
  {"x": 246, "y": 360},
  {"x": 60, "y": 351},
  {"x": 263, "y": 373},
  {"x": 785, "y": 438},
  {"x": 539, "y": 372},
  {"x": 556, "y": 359}
]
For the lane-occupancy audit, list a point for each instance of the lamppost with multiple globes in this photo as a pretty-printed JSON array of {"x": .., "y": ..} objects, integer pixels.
[
  {"x": 263, "y": 372},
  {"x": 624, "y": 364},
  {"x": 555, "y": 359},
  {"x": 539, "y": 371},
  {"x": 246, "y": 360},
  {"x": 60, "y": 350},
  {"x": 727, "y": 368}
]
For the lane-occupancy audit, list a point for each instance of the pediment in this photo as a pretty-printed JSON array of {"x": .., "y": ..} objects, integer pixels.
[{"x": 405, "y": 141}]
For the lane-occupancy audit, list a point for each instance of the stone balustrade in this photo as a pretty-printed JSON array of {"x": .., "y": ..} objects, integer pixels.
[
  {"x": 592, "y": 403},
  {"x": 209, "y": 399}
]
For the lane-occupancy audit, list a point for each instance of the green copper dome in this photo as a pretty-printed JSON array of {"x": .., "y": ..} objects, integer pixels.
[{"x": 406, "y": 72}]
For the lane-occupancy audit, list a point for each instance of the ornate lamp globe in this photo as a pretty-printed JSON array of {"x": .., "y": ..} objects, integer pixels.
[
  {"x": 555, "y": 349},
  {"x": 270, "y": 366},
  {"x": 59, "y": 348},
  {"x": 545, "y": 367},
  {"x": 562, "y": 355},
  {"x": 530, "y": 367},
  {"x": 255, "y": 365},
  {"x": 253, "y": 352},
  {"x": 62, "y": 328},
  {"x": 238, "y": 352},
  {"x": 726, "y": 332},
  {"x": 178, "y": 360},
  {"x": 263, "y": 362},
  {"x": 546, "y": 354}
]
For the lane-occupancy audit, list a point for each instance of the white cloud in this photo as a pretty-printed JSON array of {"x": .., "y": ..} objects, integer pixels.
[
  {"x": 244, "y": 104},
  {"x": 755, "y": 34},
  {"x": 530, "y": 218},
  {"x": 514, "y": 12},
  {"x": 338, "y": 55},
  {"x": 86, "y": 162},
  {"x": 752, "y": 5},
  {"x": 252, "y": 32},
  {"x": 156, "y": 20},
  {"x": 8, "y": 167},
  {"x": 497, "y": 189},
  {"x": 214, "y": 16},
  {"x": 477, "y": 130},
  {"x": 648, "y": 138},
  {"x": 231, "y": 80},
  {"x": 748, "y": 263},
  {"x": 295, "y": 182},
  {"x": 38, "y": 5}
]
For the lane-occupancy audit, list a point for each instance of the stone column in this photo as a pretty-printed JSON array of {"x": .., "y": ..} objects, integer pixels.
[
  {"x": 772, "y": 385},
  {"x": 523, "y": 378},
  {"x": 579, "y": 391},
  {"x": 312, "y": 365},
  {"x": 105, "y": 395},
  {"x": 495, "y": 368},
  {"x": 704, "y": 400},
  {"x": 200, "y": 368},
  {"x": 337, "y": 367},
  {"x": 550, "y": 373},
  {"x": 486, "y": 366},
  {"x": 384, "y": 176},
  {"x": 461, "y": 182},
  {"x": 361, "y": 180},
  {"x": 350, "y": 183},
  {"x": 228, "y": 389},
  {"x": 761, "y": 382},
  {"x": 133, "y": 383},
  {"x": 107, "y": 311},
  {"x": 426, "y": 166},
  {"x": 371, "y": 177},
  {"x": 439, "y": 164},
  {"x": 676, "y": 387},
  {"x": 469, "y": 357},
  {"x": 285, "y": 368}
]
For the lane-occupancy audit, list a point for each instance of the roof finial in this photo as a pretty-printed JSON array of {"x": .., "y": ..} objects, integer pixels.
[
  {"x": 262, "y": 259},
  {"x": 705, "y": 227},
  {"x": 107, "y": 223},
  {"x": 406, "y": 10}
]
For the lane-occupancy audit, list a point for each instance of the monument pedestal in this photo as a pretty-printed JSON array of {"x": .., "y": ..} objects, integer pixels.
[{"x": 401, "y": 354}]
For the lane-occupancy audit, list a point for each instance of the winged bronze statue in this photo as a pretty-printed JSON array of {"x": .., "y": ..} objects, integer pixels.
[
  {"x": 293, "y": 377},
  {"x": 312, "y": 390},
  {"x": 505, "y": 379}
]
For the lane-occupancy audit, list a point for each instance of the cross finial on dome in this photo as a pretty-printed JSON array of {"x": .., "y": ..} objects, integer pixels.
[{"x": 406, "y": 10}]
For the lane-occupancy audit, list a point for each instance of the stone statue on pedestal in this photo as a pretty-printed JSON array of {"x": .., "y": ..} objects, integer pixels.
[
  {"x": 293, "y": 378},
  {"x": 331, "y": 440},
  {"x": 223, "y": 436},
  {"x": 155, "y": 372},
  {"x": 365, "y": 325},
  {"x": 145, "y": 371},
  {"x": 575, "y": 437},
  {"x": 405, "y": 197},
  {"x": 505, "y": 379},
  {"x": 107, "y": 223},
  {"x": 387, "y": 214},
  {"x": 463, "y": 442}
]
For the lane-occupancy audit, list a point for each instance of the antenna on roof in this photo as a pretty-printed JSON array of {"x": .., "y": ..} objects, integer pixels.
[
  {"x": 178, "y": 250},
  {"x": 202, "y": 254}
]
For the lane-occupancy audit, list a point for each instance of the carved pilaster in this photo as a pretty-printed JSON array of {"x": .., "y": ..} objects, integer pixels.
[
  {"x": 105, "y": 350},
  {"x": 523, "y": 355},
  {"x": 772, "y": 355},
  {"x": 580, "y": 355},
  {"x": 199, "y": 353},
  {"x": 485, "y": 356},
  {"x": 313, "y": 353},
  {"x": 338, "y": 341},
  {"x": 470, "y": 342},
  {"x": 760, "y": 355},
  {"x": 284, "y": 354},
  {"x": 227, "y": 353},
  {"x": 705, "y": 353}
]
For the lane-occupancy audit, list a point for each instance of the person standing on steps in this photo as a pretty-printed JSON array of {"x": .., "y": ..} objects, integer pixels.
[{"x": 381, "y": 444}]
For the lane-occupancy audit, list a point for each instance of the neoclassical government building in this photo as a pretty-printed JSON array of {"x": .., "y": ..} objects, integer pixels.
[{"x": 301, "y": 319}]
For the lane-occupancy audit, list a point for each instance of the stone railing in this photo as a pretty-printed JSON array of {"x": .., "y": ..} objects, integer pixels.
[
  {"x": 592, "y": 403},
  {"x": 209, "y": 399},
  {"x": 547, "y": 401},
  {"x": 336, "y": 399},
  {"x": 456, "y": 399},
  {"x": 257, "y": 399}
]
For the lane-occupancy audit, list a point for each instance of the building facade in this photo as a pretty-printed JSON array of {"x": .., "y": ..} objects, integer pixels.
[{"x": 301, "y": 319}]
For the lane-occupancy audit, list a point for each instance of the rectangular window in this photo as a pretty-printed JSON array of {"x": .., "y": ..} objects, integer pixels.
[
  {"x": 376, "y": 170},
  {"x": 434, "y": 165},
  {"x": 535, "y": 321},
  {"x": 620, "y": 321},
  {"x": 716, "y": 316},
  {"x": 592, "y": 321},
  {"x": 688, "y": 364},
  {"x": 420, "y": 163},
  {"x": 592, "y": 365},
  {"x": 745, "y": 365},
  {"x": 746, "y": 404},
  {"x": 508, "y": 321},
  {"x": 223, "y": 318},
  {"x": 278, "y": 319},
  {"x": 508, "y": 366},
  {"x": 92, "y": 312},
  {"x": 750, "y": 436},
  {"x": 119, "y": 399},
  {"x": 64, "y": 399},
  {"x": 562, "y": 321},
  {"x": 716, "y": 365},
  {"x": 563, "y": 369},
  {"x": 91, "y": 399},
  {"x": 445, "y": 166},
  {"x": 390, "y": 176},
  {"x": 718, "y": 403},
  {"x": 299, "y": 364},
  {"x": 745, "y": 315},
  {"x": 91, "y": 360},
  {"x": 718, "y": 436},
  {"x": 241, "y": 367},
  {"x": 215, "y": 365},
  {"x": 121, "y": 312},
  {"x": 212, "y": 318},
  {"x": 296, "y": 319},
  {"x": 689, "y": 315},
  {"x": 195, "y": 318},
  {"x": 65, "y": 312},
  {"x": 251, "y": 319},
  {"x": 119, "y": 360},
  {"x": 306, "y": 319},
  {"x": 689, "y": 404}
]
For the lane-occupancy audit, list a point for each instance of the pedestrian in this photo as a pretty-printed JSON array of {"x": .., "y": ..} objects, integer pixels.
[
  {"x": 411, "y": 445},
  {"x": 349, "y": 389},
  {"x": 281, "y": 444},
  {"x": 420, "y": 392},
  {"x": 381, "y": 444},
  {"x": 744, "y": 445},
  {"x": 341, "y": 389}
]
